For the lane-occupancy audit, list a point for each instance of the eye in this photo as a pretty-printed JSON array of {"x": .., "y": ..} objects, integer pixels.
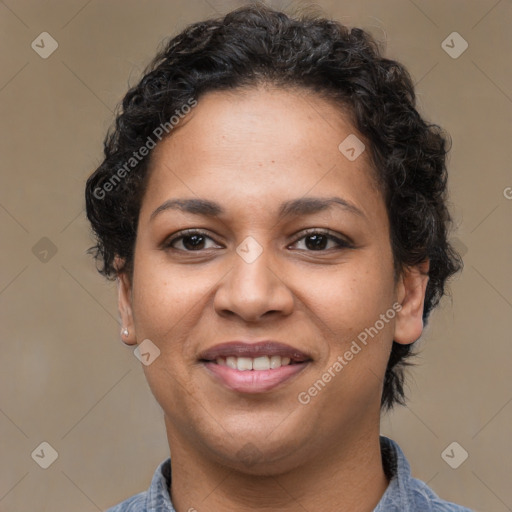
[
  {"x": 193, "y": 240},
  {"x": 190, "y": 240},
  {"x": 317, "y": 240}
]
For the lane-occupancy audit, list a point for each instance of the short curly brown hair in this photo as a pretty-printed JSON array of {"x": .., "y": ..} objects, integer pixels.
[{"x": 254, "y": 45}]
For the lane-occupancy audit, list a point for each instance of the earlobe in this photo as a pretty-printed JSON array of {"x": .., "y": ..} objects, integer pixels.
[
  {"x": 124, "y": 304},
  {"x": 411, "y": 290}
]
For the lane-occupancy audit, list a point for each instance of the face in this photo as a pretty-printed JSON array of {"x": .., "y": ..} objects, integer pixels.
[{"x": 278, "y": 237}]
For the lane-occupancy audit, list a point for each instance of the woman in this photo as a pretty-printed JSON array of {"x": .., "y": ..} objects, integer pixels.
[{"x": 273, "y": 208}]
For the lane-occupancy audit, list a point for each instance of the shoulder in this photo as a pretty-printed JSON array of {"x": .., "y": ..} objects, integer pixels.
[
  {"x": 155, "y": 498},
  {"x": 136, "y": 503},
  {"x": 426, "y": 499},
  {"x": 406, "y": 493}
]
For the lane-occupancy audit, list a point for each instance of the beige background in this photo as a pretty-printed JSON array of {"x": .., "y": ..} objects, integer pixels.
[{"x": 65, "y": 377}]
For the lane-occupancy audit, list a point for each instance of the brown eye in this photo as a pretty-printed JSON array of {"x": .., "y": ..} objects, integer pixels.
[
  {"x": 189, "y": 241},
  {"x": 317, "y": 240}
]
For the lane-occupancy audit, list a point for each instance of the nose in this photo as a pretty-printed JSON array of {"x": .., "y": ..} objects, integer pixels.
[{"x": 255, "y": 289}]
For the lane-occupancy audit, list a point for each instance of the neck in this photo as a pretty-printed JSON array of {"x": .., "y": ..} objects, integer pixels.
[{"x": 350, "y": 477}]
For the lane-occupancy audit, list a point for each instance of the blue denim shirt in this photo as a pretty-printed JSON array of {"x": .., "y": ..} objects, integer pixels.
[{"x": 404, "y": 493}]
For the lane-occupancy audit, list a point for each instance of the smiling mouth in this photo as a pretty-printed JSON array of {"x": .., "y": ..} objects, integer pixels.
[
  {"x": 261, "y": 355},
  {"x": 259, "y": 363},
  {"x": 253, "y": 368}
]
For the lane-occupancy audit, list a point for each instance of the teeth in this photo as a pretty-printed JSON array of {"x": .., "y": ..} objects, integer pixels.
[
  {"x": 275, "y": 362},
  {"x": 244, "y": 363},
  {"x": 257, "y": 363},
  {"x": 261, "y": 363}
]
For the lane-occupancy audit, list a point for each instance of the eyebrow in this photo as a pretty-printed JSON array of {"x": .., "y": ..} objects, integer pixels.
[{"x": 294, "y": 207}]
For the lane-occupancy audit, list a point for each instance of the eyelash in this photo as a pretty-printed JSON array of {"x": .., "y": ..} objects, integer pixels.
[{"x": 342, "y": 244}]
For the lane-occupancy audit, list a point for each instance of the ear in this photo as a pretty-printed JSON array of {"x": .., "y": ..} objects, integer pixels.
[
  {"x": 411, "y": 296},
  {"x": 124, "y": 304}
]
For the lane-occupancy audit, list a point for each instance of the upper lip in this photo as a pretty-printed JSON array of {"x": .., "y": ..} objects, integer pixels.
[{"x": 253, "y": 349}]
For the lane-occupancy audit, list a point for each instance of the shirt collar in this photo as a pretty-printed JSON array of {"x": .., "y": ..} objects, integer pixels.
[
  {"x": 158, "y": 498},
  {"x": 398, "y": 495},
  {"x": 397, "y": 467}
]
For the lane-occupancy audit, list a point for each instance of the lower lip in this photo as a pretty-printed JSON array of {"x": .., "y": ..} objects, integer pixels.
[{"x": 254, "y": 381}]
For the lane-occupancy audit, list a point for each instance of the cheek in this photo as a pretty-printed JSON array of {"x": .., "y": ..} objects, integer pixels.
[
  {"x": 352, "y": 296},
  {"x": 352, "y": 309},
  {"x": 167, "y": 306},
  {"x": 166, "y": 298},
  {"x": 166, "y": 311},
  {"x": 358, "y": 340}
]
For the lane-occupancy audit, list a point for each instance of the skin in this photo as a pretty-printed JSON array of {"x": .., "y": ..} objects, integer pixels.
[{"x": 249, "y": 151}]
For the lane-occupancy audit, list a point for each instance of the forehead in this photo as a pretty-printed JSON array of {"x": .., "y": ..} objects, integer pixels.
[{"x": 261, "y": 144}]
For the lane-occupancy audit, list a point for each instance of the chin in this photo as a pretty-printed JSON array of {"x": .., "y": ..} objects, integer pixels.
[{"x": 255, "y": 455}]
